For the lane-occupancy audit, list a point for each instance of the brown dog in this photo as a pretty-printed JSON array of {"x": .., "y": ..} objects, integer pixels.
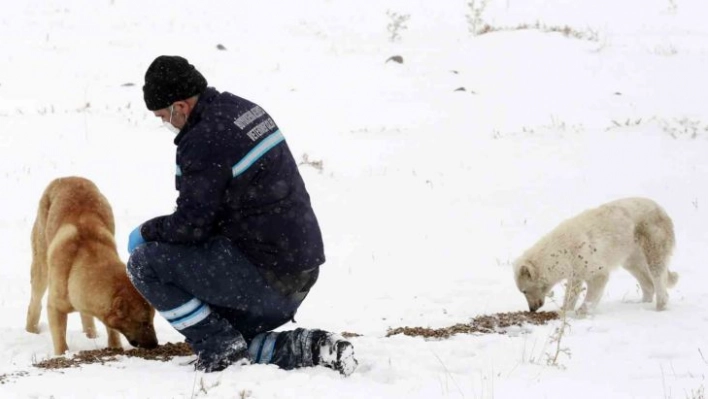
[{"x": 74, "y": 254}]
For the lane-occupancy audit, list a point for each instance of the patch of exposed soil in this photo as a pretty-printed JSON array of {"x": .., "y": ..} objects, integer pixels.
[
  {"x": 486, "y": 324},
  {"x": 162, "y": 353}
]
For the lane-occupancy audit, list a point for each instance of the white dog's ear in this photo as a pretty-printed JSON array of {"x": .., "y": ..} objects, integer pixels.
[{"x": 525, "y": 272}]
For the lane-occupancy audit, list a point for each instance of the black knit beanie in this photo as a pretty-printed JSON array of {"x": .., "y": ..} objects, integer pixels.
[{"x": 171, "y": 78}]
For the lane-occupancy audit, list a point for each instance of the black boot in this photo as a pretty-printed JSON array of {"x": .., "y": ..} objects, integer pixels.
[
  {"x": 333, "y": 351},
  {"x": 304, "y": 348},
  {"x": 216, "y": 343}
]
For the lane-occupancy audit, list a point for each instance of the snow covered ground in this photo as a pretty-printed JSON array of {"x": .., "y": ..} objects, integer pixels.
[{"x": 425, "y": 194}]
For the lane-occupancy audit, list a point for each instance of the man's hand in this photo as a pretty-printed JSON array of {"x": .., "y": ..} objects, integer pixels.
[{"x": 135, "y": 239}]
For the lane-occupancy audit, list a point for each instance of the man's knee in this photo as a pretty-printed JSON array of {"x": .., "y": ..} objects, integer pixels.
[{"x": 139, "y": 263}]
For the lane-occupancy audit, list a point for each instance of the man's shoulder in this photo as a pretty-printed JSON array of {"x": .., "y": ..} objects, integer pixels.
[
  {"x": 244, "y": 117},
  {"x": 227, "y": 101},
  {"x": 223, "y": 127}
]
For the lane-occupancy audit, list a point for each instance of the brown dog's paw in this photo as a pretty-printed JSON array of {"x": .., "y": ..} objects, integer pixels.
[{"x": 32, "y": 329}]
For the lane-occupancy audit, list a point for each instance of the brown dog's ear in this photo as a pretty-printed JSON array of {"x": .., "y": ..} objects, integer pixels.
[
  {"x": 525, "y": 272},
  {"x": 120, "y": 307}
]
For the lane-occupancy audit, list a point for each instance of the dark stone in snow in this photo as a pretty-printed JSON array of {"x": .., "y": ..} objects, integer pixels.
[{"x": 395, "y": 58}]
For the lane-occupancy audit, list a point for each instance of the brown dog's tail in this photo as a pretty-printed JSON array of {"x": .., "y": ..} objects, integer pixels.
[
  {"x": 673, "y": 279},
  {"x": 43, "y": 210},
  {"x": 63, "y": 247}
]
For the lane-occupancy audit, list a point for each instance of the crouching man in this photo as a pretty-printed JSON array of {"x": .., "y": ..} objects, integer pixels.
[{"x": 243, "y": 248}]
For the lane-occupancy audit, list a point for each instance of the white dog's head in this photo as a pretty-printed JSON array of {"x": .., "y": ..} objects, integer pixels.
[{"x": 531, "y": 284}]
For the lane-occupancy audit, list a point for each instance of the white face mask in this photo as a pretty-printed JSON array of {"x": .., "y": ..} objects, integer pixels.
[{"x": 169, "y": 125}]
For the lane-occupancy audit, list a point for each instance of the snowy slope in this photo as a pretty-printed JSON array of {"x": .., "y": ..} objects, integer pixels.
[{"x": 425, "y": 196}]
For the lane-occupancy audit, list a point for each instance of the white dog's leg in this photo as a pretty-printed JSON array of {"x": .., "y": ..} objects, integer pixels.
[
  {"x": 660, "y": 276},
  {"x": 572, "y": 293},
  {"x": 637, "y": 266},
  {"x": 596, "y": 286}
]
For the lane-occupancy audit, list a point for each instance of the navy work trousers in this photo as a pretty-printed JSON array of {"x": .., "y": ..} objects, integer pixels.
[{"x": 215, "y": 273}]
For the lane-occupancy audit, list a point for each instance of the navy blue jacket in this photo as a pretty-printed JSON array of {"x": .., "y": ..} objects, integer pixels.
[{"x": 237, "y": 178}]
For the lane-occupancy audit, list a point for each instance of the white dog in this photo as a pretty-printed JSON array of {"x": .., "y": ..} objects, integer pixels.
[{"x": 633, "y": 232}]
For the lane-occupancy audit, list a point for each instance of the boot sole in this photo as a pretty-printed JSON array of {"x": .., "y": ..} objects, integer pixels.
[{"x": 346, "y": 363}]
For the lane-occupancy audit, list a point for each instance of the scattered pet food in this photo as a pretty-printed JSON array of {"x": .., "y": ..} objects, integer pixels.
[
  {"x": 486, "y": 324},
  {"x": 162, "y": 353}
]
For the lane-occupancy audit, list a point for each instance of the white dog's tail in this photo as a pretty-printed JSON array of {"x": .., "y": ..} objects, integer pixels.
[{"x": 673, "y": 279}]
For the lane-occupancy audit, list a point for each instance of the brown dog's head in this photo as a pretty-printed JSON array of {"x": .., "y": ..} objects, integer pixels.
[{"x": 133, "y": 317}]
